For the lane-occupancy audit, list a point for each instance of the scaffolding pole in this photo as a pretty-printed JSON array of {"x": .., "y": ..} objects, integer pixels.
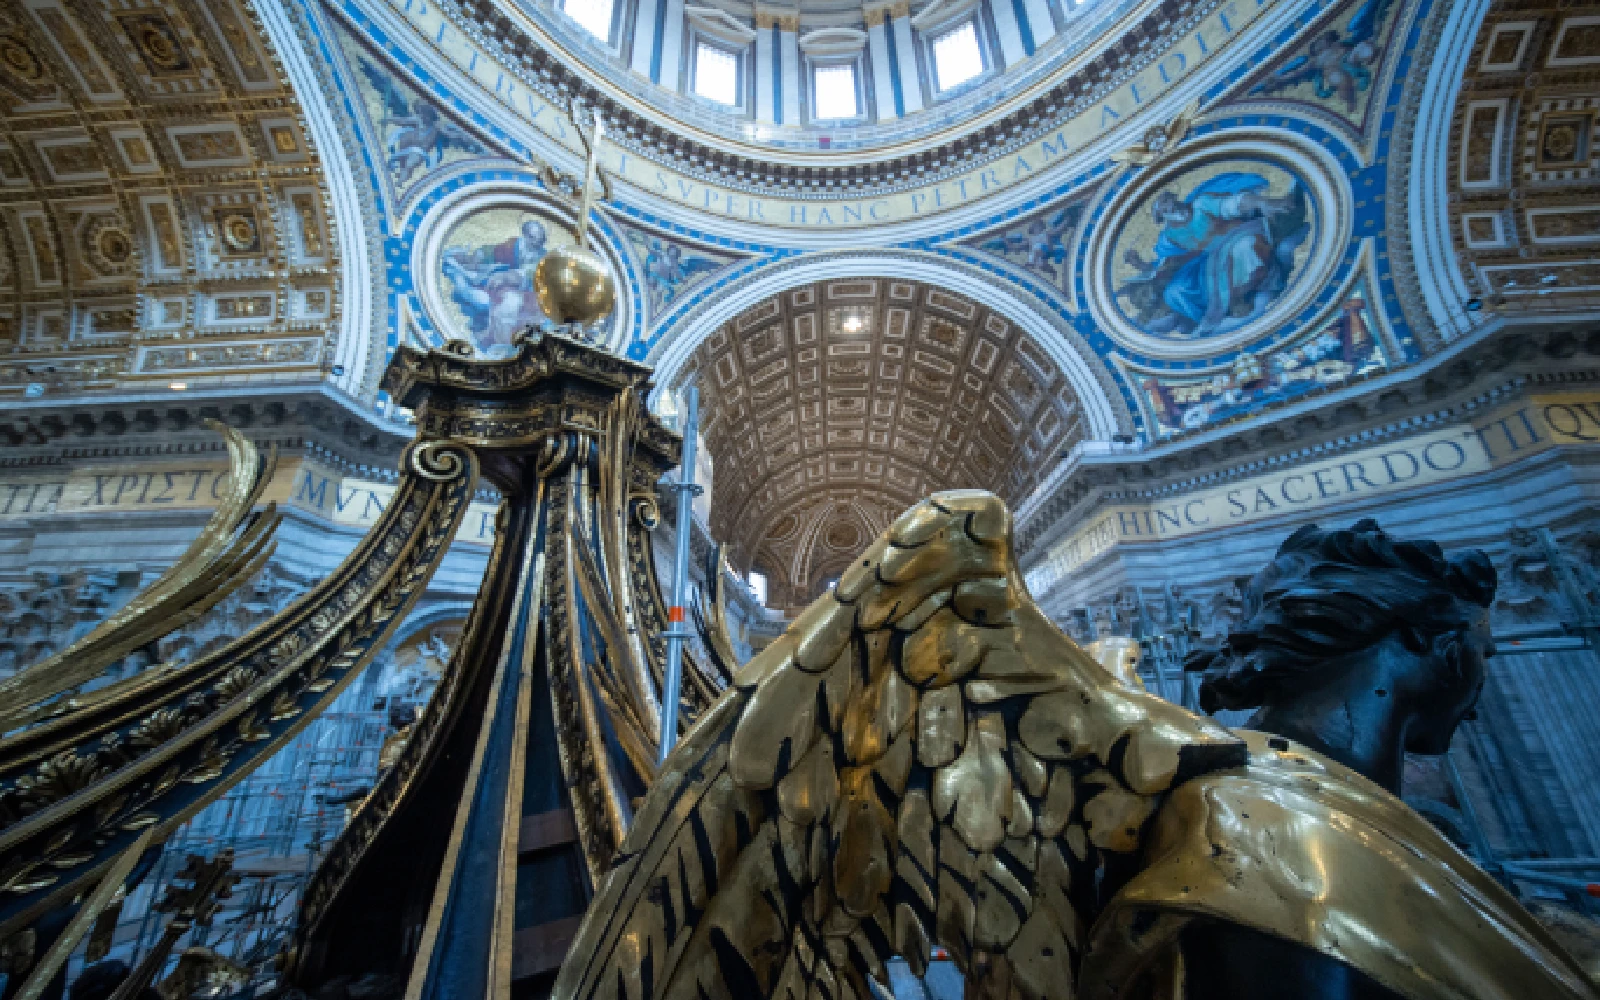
[{"x": 677, "y": 629}]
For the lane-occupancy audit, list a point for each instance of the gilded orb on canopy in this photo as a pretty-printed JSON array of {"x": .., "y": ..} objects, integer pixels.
[{"x": 574, "y": 286}]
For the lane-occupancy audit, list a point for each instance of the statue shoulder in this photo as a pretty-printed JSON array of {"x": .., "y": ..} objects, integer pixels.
[{"x": 1301, "y": 847}]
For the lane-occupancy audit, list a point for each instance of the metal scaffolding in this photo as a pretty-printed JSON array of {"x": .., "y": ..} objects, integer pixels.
[{"x": 278, "y": 821}]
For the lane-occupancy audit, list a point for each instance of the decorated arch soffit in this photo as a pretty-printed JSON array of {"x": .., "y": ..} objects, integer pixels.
[
  {"x": 836, "y": 404},
  {"x": 163, "y": 213}
]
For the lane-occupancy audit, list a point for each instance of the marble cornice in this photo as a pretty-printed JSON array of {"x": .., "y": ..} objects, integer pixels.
[
  {"x": 1504, "y": 362},
  {"x": 316, "y": 419}
]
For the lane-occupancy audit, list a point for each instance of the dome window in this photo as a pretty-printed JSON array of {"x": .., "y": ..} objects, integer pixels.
[
  {"x": 835, "y": 91},
  {"x": 719, "y": 65},
  {"x": 716, "y": 74},
  {"x": 594, "y": 16},
  {"x": 835, "y": 68},
  {"x": 957, "y": 56}
]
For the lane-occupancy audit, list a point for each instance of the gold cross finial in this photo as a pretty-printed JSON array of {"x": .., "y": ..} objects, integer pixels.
[{"x": 591, "y": 180}]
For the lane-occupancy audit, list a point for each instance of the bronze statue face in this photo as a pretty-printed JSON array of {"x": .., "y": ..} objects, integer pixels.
[{"x": 1457, "y": 678}]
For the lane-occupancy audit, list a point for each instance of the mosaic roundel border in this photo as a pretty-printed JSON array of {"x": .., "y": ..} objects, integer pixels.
[
  {"x": 433, "y": 217},
  {"x": 1328, "y": 200}
]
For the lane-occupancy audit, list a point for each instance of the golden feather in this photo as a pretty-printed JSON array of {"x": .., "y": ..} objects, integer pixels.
[
  {"x": 924, "y": 758},
  {"x": 875, "y": 782}
]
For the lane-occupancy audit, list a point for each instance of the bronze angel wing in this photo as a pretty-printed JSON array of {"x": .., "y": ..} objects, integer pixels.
[{"x": 922, "y": 758}]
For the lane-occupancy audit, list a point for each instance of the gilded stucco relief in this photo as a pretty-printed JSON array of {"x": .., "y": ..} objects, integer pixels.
[
  {"x": 1347, "y": 347},
  {"x": 1523, "y": 161},
  {"x": 156, "y": 183}
]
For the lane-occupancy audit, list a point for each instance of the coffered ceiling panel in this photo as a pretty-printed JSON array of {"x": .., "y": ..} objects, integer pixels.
[
  {"x": 1524, "y": 171},
  {"x": 832, "y": 407},
  {"x": 162, "y": 212}
]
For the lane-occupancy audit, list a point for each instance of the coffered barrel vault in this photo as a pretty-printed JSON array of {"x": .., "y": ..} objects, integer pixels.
[
  {"x": 1524, "y": 160},
  {"x": 831, "y": 407},
  {"x": 162, "y": 211}
]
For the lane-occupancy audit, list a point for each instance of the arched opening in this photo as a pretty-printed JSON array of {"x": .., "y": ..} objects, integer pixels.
[{"x": 833, "y": 405}]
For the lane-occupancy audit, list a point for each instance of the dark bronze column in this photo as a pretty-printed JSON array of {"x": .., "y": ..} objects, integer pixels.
[{"x": 468, "y": 868}]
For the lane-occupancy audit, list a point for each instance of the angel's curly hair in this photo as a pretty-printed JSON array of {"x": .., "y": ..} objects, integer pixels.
[{"x": 1330, "y": 593}]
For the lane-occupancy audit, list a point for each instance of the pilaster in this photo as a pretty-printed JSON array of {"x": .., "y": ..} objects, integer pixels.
[
  {"x": 790, "y": 71},
  {"x": 1040, "y": 22},
  {"x": 766, "y": 68},
  {"x": 1012, "y": 50},
  {"x": 887, "y": 100},
  {"x": 905, "y": 50},
  {"x": 671, "y": 45},
  {"x": 644, "y": 37}
]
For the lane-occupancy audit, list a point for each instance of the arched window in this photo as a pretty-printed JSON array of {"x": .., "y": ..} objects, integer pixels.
[
  {"x": 716, "y": 74},
  {"x": 835, "y": 90},
  {"x": 957, "y": 56},
  {"x": 835, "y": 61},
  {"x": 719, "y": 57},
  {"x": 594, "y": 16}
]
